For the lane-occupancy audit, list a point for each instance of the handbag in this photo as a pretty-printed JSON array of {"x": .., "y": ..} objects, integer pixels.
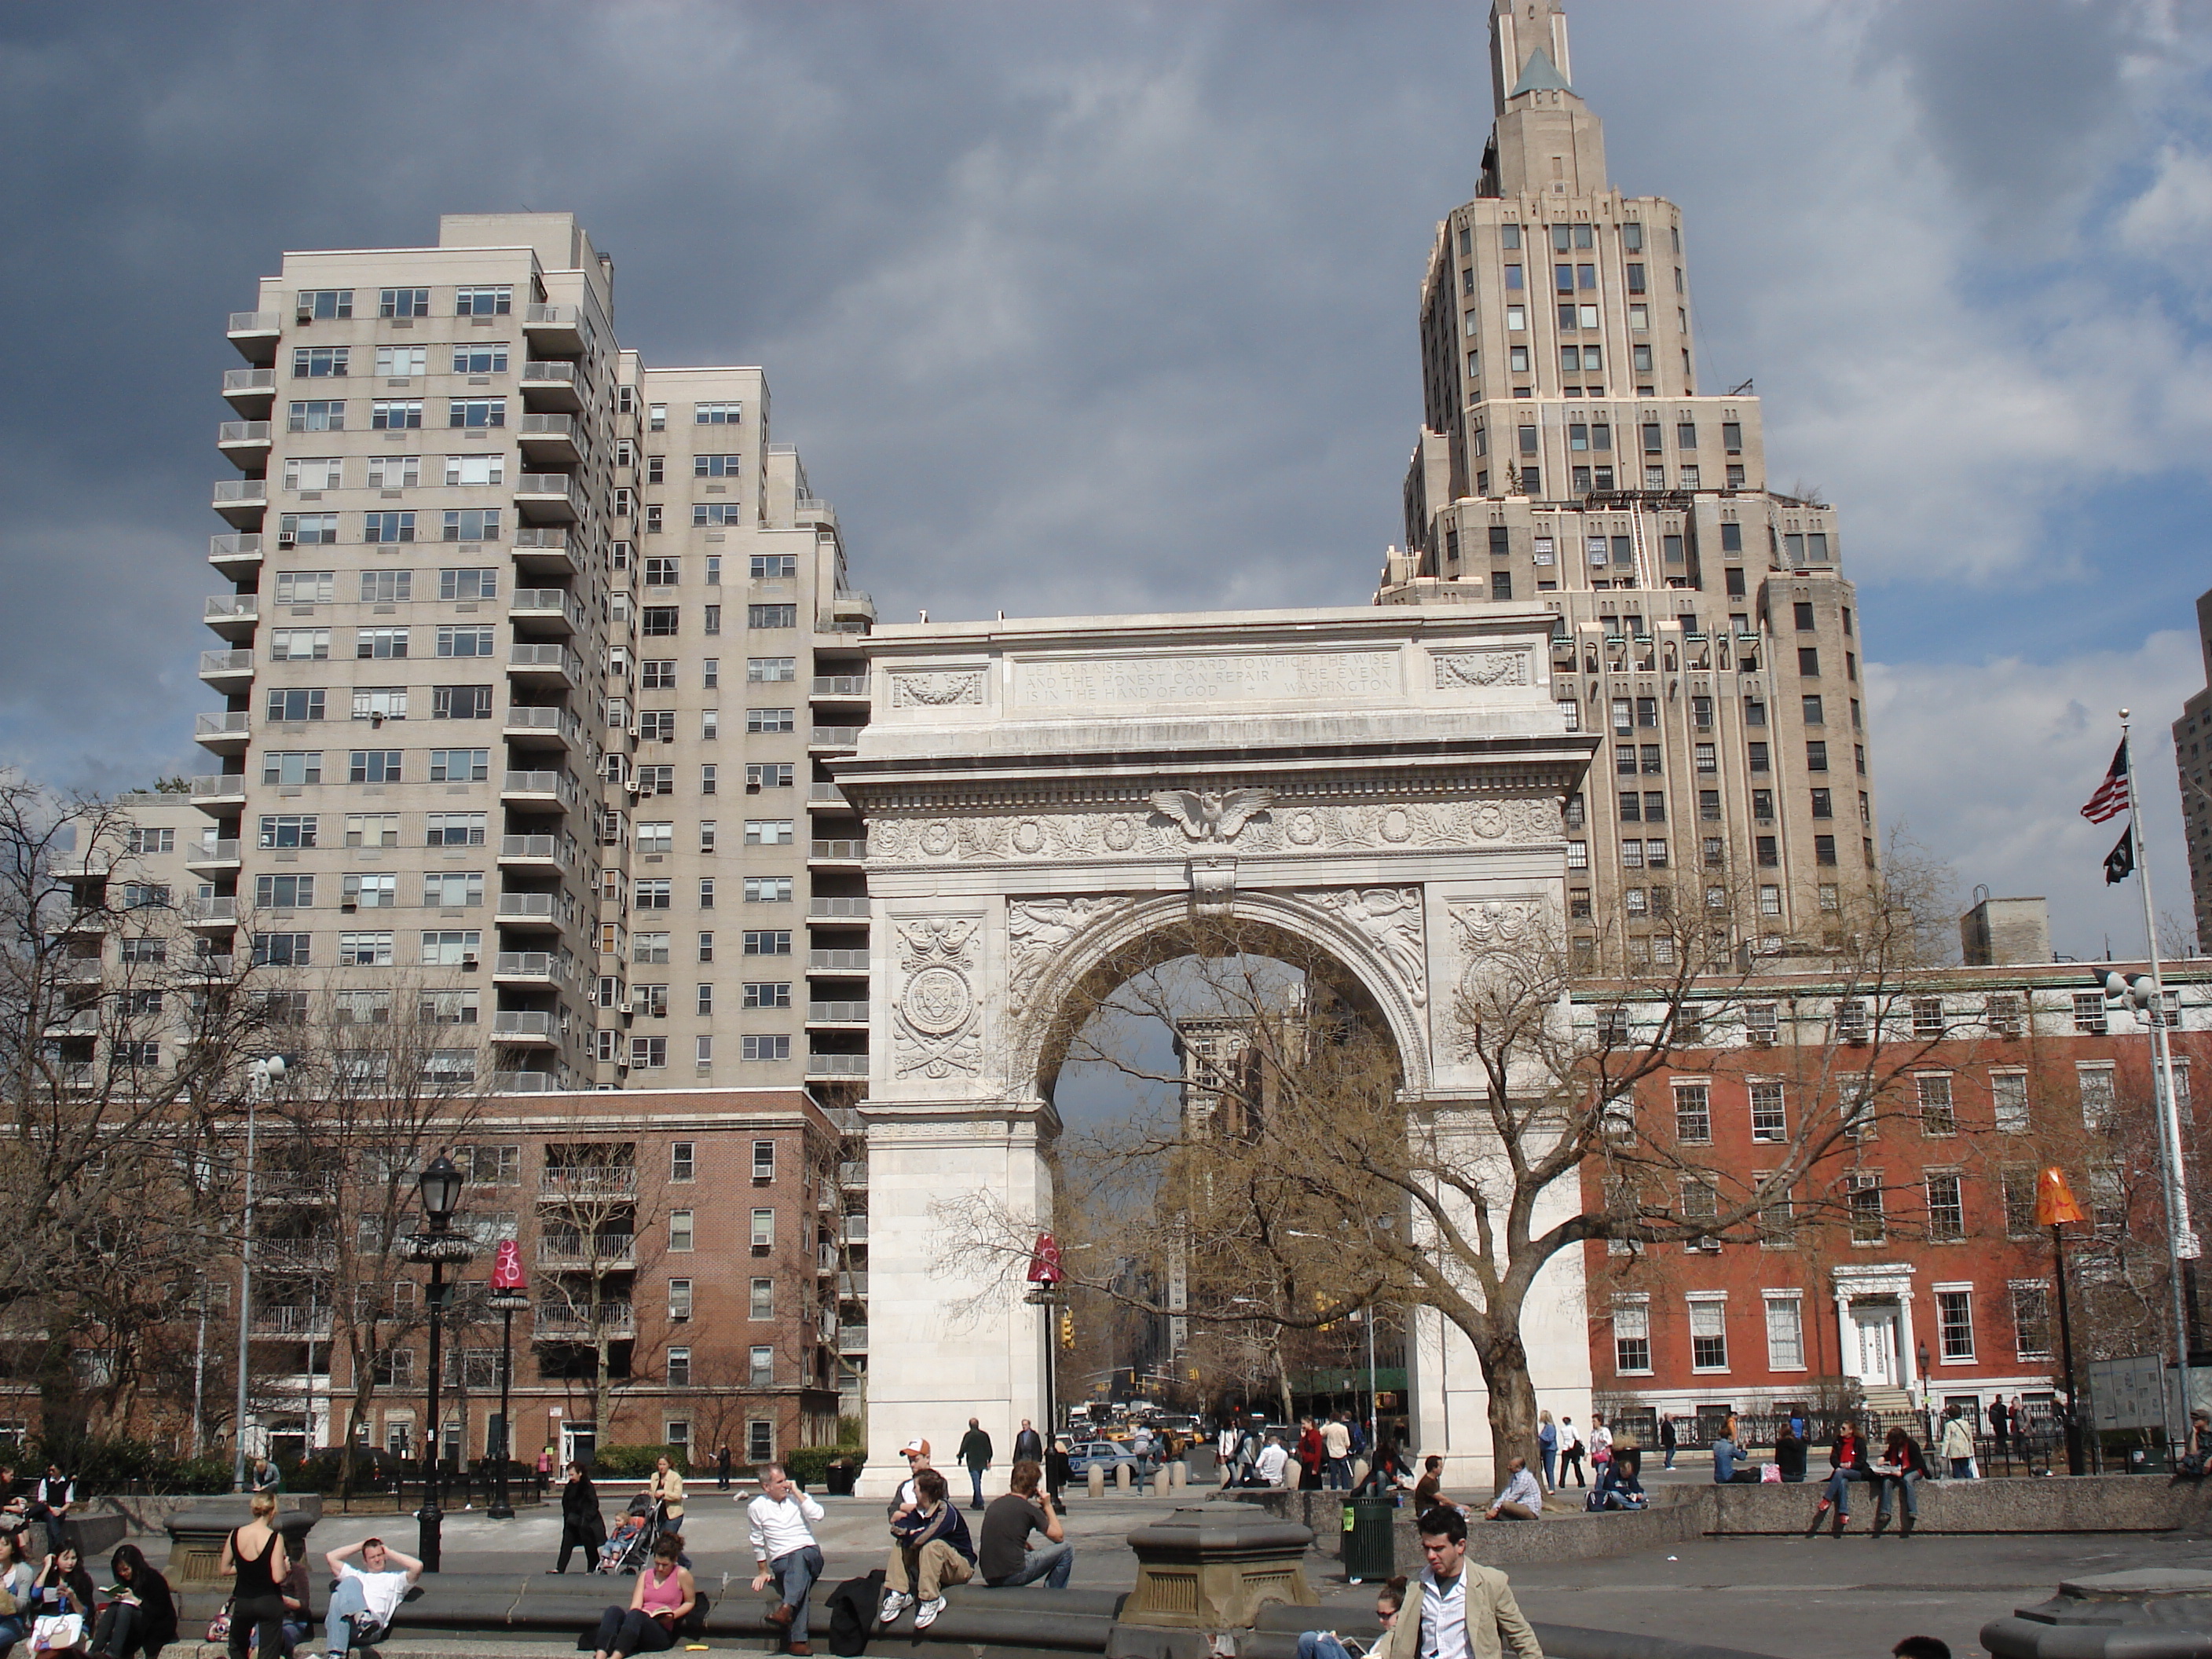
[
  {"x": 219, "y": 1626},
  {"x": 1769, "y": 1474},
  {"x": 51, "y": 1630}
]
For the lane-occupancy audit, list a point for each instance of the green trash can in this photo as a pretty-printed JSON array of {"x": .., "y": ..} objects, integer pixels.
[{"x": 1367, "y": 1552}]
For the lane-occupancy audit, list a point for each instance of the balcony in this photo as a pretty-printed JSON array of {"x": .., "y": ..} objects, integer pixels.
[
  {"x": 840, "y": 688},
  {"x": 216, "y": 913},
  {"x": 571, "y": 1252},
  {"x": 609, "y": 1319},
  {"x": 300, "y": 1255},
  {"x": 234, "y": 616},
  {"x": 214, "y": 790},
  {"x": 542, "y": 728},
  {"x": 551, "y": 386},
  {"x": 237, "y": 556},
  {"x": 222, "y": 734},
  {"x": 812, "y": 510},
  {"x": 544, "y": 552},
  {"x": 528, "y": 968},
  {"x": 545, "y": 912},
  {"x": 837, "y": 1013},
  {"x": 837, "y": 1065},
  {"x": 212, "y": 857},
  {"x": 255, "y": 334},
  {"x": 837, "y": 852},
  {"x": 522, "y": 1083},
  {"x": 251, "y": 391},
  {"x": 847, "y": 612},
  {"x": 523, "y": 1028},
  {"x": 246, "y": 442},
  {"x": 212, "y": 964},
  {"x": 556, "y": 330},
  {"x": 544, "y": 665},
  {"x": 297, "y": 1323},
  {"x": 844, "y": 739},
  {"x": 826, "y": 794},
  {"x": 850, "y": 1285},
  {"x": 560, "y": 1182},
  {"x": 852, "y": 1176},
  {"x": 837, "y": 961},
  {"x": 553, "y": 605},
  {"x": 226, "y": 671},
  {"x": 545, "y": 853},
  {"x": 821, "y": 909},
  {"x": 549, "y": 498},
  {"x": 852, "y": 1339},
  {"x": 550, "y": 440},
  {"x": 538, "y": 789},
  {"x": 242, "y": 500}
]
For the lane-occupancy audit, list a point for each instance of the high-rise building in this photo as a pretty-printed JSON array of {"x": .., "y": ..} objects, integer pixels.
[
  {"x": 2192, "y": 738},
  {"x": 1570, "y": 453},
  {"x": 530, "y": 653}
]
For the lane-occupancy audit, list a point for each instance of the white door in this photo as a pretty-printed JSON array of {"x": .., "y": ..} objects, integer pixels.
[{"x": 1877, "y": 1331}]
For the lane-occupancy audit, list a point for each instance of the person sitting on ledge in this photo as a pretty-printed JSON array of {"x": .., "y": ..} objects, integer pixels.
[
  {"x": 1003, "y": 1555},
  {"x": 929, "y": 1549},
  {"x": 1455, "y": 1609},
  {"x": 1521, "y": 1500},
  {"x": 1328, "y": 1644}
]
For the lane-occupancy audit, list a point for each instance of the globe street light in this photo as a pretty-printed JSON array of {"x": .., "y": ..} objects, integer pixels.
[
  {"x": 261, "y": 1075},
  {"x": 439, "y": 1185}
]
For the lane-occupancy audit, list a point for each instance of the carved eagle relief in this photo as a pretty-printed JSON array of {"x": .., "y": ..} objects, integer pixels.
[{"x": 1212, "y": 814}]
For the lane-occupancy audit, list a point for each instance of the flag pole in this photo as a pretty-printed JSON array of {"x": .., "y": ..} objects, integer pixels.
[{"x": 2181, "y": 1243}]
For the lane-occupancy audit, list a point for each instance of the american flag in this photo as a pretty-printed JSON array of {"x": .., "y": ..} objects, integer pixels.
[{"x": 2112, "y": 797}]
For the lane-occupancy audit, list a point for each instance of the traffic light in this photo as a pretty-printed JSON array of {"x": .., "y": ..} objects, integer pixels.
[{"x": 1067, "y": 1329}]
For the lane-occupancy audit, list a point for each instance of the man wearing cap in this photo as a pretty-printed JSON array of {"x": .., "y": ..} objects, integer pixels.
[{"x": 904, "y": 1501}]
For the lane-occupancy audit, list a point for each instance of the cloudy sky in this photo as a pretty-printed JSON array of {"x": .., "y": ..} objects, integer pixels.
[{"x": 1098, "y": 306}]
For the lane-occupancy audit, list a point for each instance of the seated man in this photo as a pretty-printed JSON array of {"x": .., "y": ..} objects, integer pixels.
[
  {"x": 1004, "y": 1556},
  {"x": 1267, "y": 1467},
  {"x": 1523, "y": 1498},
  {"x": 930, "y": 1548},
  {"x": 367, "y": 1597}
]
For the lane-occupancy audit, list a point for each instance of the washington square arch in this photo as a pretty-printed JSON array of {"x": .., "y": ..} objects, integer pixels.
[{"x": 1043, "y": 794}]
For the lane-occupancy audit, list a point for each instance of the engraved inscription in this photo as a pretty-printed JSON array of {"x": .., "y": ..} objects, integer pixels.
[{"x": 1285, "y": 677}]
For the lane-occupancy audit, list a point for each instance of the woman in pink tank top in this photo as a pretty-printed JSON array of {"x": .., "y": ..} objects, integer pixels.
[{"x": 663, "y": 1600}]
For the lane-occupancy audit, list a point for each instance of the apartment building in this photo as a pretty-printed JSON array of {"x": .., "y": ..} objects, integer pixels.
[
  {"x": 2192, "y": 750},
  {"x": 1570, "y": 453},
  {"x": 1908, "y": 1264}
]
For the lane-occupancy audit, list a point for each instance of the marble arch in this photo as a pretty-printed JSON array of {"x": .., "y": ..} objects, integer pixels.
[{"x": 1384, "y": 784}]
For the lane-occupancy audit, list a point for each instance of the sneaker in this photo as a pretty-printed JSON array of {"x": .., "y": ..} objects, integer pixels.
[
  {"x": 894, "y": 1603},
  {"x": 925, "y": 1614}
]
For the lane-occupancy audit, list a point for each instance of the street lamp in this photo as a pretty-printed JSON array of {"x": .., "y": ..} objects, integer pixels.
[
  {"x": 2055, "y": 1207},
  {"x": 509, "y": 1297},
  {"x": 439, "y": 1185},
  {"x": 260, "y": 1076}
]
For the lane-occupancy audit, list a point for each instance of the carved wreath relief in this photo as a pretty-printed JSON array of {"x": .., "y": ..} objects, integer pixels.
[
  {"x": 940, "y": 689},
  {"x": 935, "y": 1028},
  {"x": 1477, "y": 670}
]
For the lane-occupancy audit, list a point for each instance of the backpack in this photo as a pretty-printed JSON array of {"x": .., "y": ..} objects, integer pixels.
[{"x": 852, "y": 1606}]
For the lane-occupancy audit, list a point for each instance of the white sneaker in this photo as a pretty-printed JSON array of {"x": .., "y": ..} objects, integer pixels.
[
  {"x": 925, "y": 1614},
  {"x": 894, "y": 1603}
]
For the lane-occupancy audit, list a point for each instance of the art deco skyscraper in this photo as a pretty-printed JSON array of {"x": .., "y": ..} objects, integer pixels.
[{"x": 1570, "y": 455}]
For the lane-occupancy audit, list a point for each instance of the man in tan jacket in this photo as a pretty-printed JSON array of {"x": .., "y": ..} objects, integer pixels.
[{"x": 1456, "y": 1609}]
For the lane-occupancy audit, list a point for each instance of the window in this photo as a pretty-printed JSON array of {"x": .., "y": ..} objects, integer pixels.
[
  {"x": 1809, "y": 661},
  {"x": 680, "y": 1377},
  {"x": 1769, "y": 1119},
  {"x": 476, "y": 470},
  {"x": 663, "y": 572},
  {"x": 1708, "y": 1334},
  {"x": 2097, "y": 1093},
  {"x": 1947, "y": 1207},
  {"x": 767, "y": 890},
  {"x": 476, "y": 412},
  {"x": 283, "y": 949},
  {"x": 767, "y": 1047},
  {"x": 465, "y": 640},
  {"x": 716, "y": 513},
  {"x": 653, "y": 893},
  {"x": 1954, "y": 1322},
  {"x": 369, "y": 829},
  {"x": 448, "y": 1007},
  {"x": 717, "y": 414},
  {"x": 480, "y": 358},
  {"x": 2031, "y": 1319},
  {"x": 483, "y": 301},
  {"x": 450, "y": 947},
  {"x": 1631, "y": 1339},
  {"x": 655, "y": 780},
  {"x": 2089, "y": 1013},
  {"x": 2008, "y": 1096},
  {"x": 473, "y": 524},
  {"x": 316, "y": 415},
  {"x": 679, "y": 1298},
  {"x": 1785, "y": 1334},
  {"x": 767, "y": 994},
  {"x": 318, "y": 362},
  {"x": 771, "y": 616},
  {"x": 452, "y": 890},
  {"x": 763, "y": 1233},
  {"x": 284, "y": 892},
  {"x": 2019, "y": 1182},
  {"x": 307, "y": 529},
  {"x": 1816, "y": 756},
  {"x": 291, "y": 766},
  {"x": 299, "y": 645},
  {"x": 1869, "y": 1226},
  {"x": 651, "y": 1054},
  {"x": 656, "y": 837},
  {"x": 1936, "y": 1115},
  {"x": 403, "y": 362},
  {"x": 763, "y": 1160},
  {"x": 1693, "y": 1113},
  {"x": 761, "y": 1373},
  {"x": 459, "y": 765}
]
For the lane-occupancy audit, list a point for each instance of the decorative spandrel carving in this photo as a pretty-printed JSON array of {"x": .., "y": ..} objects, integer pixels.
[
  {"x": 943, "y": 688},
  {"x": 1462, "y": 670},
  {"x": 1039, "y": 930},
  {"x": 936, "y": 1024},
  {"x": 1392, "y": 922},
  {"x": 1274, "y": 827}
]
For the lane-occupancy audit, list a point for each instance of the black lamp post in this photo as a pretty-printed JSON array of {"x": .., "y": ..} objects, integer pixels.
[
  {"x": 509, "y": 1298},
  {"x": 439, "y": 1185}
]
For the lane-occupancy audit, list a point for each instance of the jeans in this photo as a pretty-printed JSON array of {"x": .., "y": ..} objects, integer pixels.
[
  {"x": 632, "y": 1630},
  {"x": 795, "y": 1574},
  {"x": 976, "y": 1475},
  {"x": 1962, "y": 1468},
  {"x": 1670, "y": 1458},
  {"x": 1051, "y": 1562},
  {"x": 349, "y": 1612},
  {"x": 121, "y": 1632},
  {"x": 1336, "y": 1474},
  {"x": 1910, "y": 1480},
  {"x": 1838, "y": 1492},
  {"x": 12, "y": 1630},
  {"x": 1321, "y": 1644},
  {"x": 1571, "y": 1459},
  {"x": 1551, "y": 1468}
]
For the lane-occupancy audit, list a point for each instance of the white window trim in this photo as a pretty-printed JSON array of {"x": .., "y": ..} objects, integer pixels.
[
  {"x": 1935, "y": 1308},
  {"x": 1766, "y": 1298},
  {"x": 1715, "y": 1298}
]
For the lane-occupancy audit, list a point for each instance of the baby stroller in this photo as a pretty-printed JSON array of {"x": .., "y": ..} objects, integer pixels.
[{"x": 630, "y": 1546}]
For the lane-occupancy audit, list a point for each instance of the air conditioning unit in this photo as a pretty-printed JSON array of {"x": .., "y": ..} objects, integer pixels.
[
  {"x": 1762, "y": 1039},
  {"x": 469, "y": 964},
  {"x": 1709, "y": 1246},
  {"x": 626, "y": 1009},
  {"x": 304, "y": 314},
  {"x": 349, "y": 905},
  {"x": 286, "y": 539}
]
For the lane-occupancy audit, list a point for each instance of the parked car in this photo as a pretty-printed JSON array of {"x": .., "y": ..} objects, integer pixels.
[{"x": 1107, "y": 1454}]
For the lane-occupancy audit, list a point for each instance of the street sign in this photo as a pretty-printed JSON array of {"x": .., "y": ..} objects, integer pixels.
[
  {"x": 2128, "y": 1393},
  {"x": 507, "y": 1266}
]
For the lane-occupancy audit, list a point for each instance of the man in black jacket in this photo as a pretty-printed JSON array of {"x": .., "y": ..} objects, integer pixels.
[
  {"x": 975, "y": 1452},
  {"x": 1029, "y": 1443}
]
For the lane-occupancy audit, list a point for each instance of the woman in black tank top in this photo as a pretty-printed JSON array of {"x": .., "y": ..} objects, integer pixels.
[{"x": 254, "y": 1557}]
